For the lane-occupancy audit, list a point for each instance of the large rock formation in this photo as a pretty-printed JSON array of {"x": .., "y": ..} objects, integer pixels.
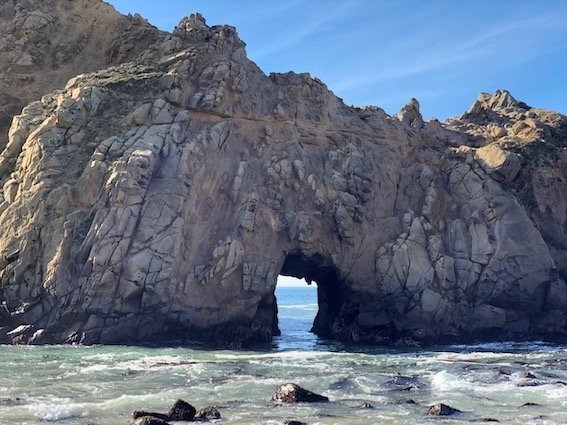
[
  {"x": 43, "y": 43},
  {"x": 161, "y": 198}
]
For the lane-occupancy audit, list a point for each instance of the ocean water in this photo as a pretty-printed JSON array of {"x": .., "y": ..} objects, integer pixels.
[{"x": 102, "y": 385}]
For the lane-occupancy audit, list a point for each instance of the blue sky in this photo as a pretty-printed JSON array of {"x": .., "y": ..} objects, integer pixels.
[{"x": 372, "y": 52}]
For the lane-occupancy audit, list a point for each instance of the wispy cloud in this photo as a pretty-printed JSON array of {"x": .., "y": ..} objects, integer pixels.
[
  {"x": 295, "y": 36},
  {"x": 491, "y": 42}
]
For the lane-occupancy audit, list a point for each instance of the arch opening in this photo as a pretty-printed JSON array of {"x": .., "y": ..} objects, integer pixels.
[
  {"x": 330, "y": 290},
  {"x": 296, "y": 309}
]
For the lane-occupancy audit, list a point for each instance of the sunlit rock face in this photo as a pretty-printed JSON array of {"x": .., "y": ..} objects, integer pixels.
[
  {"x": 43, "y": 43},
  {"x": 159, "y": 199}
]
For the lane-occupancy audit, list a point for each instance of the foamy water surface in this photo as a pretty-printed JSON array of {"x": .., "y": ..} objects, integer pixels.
[{"x": 513, "y": 383}]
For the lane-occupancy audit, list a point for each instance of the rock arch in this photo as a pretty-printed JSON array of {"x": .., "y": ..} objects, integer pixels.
[{"x": 161, "y": 198}]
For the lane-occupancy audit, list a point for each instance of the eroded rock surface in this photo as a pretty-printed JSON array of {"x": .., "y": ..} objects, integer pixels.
[
  {"x": 160, "y": 198},
  {"x": 43, "y": 43}
]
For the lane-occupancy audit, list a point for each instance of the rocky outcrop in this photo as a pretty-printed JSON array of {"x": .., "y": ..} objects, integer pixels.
[
  {"x": 43, "y": 43},
  {"x": 160, "y": 198}
]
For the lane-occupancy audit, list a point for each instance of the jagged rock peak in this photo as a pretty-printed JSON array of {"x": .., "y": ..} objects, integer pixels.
[
  {"x": 501, "y": 99},
  {"x": 193, "y": 25},
  {"x": 410, "y": 114},
  {"x": 194, "y": 28}
]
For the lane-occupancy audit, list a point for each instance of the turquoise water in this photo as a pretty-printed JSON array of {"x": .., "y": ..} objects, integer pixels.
[{"x": 102, "y": 385}]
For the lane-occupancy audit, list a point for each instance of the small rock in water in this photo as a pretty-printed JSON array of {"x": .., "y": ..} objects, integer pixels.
[
  {"x": 207, "y": 413},
  {"x": 366, "y": 406},
  {"x": 182, "y": 411},
  {"x": 485, "y": 420},
  {"x": 441, "y": 409},
  {"x": 528, "y": 404},
  {"x": 293, "y": 393},
  {"x": 405, "y": 401},
  {"x": 404, "y": 383},
  {"x": 12, "y": 401},
  {"x": 293, "y": 422},
  {"x": 142, "y": 414},
  {"x": 150, "y": 420}
]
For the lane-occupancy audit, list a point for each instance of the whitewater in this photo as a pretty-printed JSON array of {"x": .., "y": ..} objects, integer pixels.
[{"x": 514, "y": 383}]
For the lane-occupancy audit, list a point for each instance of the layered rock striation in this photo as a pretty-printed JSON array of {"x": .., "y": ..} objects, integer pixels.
[{"x": 160, "y": 198}]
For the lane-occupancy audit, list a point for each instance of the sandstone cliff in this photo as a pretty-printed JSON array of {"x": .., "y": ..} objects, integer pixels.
[{"x": 161, "y": 198}]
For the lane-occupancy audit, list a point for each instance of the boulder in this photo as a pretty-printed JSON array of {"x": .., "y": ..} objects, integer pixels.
[
  {"x": 499, "y": 163},
  {"x": 150, "y": 420},
  {"x": 293, "y": 393},
  {"x": 441, "y": 409},
  {"x": 207, "y": 413},
  {"x": 137, "y": 414},
  {"x": 181, "y": 411}
]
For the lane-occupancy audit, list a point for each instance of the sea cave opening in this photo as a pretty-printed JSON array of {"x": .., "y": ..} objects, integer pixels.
[{"x": 309, "y": 299}]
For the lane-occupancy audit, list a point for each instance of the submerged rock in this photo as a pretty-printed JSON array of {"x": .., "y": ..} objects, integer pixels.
[
  {"x": 150, "y": 420},
  {"x": 180, "y": 411},
  {"x": 138, "y": 414},
  {"x": 293, "y": 393},
  {"x": 441, "y": 409},
  {"x": 207, "y": 413}
]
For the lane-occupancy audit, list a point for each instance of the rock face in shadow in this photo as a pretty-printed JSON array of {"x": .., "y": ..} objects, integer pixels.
[{"x": 160, "y": 198}]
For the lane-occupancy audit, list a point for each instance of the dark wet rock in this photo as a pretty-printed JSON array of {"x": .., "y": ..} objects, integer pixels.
[
  {"x": 530, "y": 404},
  {"x": 343, "y": 384},
  {"x": 293, "y": 393},
  {"x": 182, "y": 411},
  {"x": 484, "y": 420},
  {"x": 441, "y": 409},
  {"x": 405, "y": 401},
  {"x": 528, "y": 375},
  {"x": 293, "y": 422},
  {"x": 150, "y": 420},
  {"x": 366, "y": 406},
  {"x": 404, "y": 383},
  {"x": 207, "y": 413},
  {"x": 403, "y": 389},
  {"x": 138, "y": 414},
  {"x": 529, "y": 384},
  {"x": 12, "y": 401}
]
